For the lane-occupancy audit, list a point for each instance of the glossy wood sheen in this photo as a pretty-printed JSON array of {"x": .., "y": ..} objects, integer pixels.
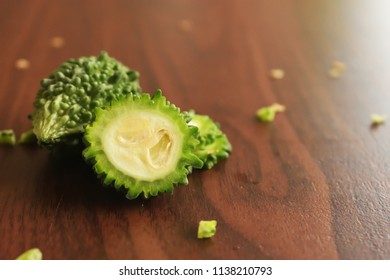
[{"x": 314, "y": 184}]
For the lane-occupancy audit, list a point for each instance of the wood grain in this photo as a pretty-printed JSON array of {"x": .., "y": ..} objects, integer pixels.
[{"x": 313, "y": 184}]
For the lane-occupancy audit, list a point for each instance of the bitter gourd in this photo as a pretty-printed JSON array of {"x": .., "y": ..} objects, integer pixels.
[
  {"x": 65, "y": 103},
  {"x": 142, "y": 144}
]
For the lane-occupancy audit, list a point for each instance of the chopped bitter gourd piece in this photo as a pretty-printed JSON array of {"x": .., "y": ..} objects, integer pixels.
[
  {"x": 213, "y": 143},
  {"x": 207, "y": 229},
  {"x": 267, "y": 114},
  {"x": 65, "y": 103},
  {"x": 27, "y": 137},
  {"x": 7, "y": 137},
  {"x": 31, "y": 254},
  {"x": 142, "y": 144},
  {"x": 378, "y": 119}
]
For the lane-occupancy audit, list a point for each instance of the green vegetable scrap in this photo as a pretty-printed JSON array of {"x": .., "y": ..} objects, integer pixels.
[
  {"x": 31, "y": 254},
  {"x": 207, "y": 229},
  {"x": 65, "y": 103},
  {"x": 267, "y": 114},
  {"x": 142, "y": 144},
  {"x": 378, "y": 119},
  {"x": 213, "y": 143},
  {"x": 7, "y": 137}
]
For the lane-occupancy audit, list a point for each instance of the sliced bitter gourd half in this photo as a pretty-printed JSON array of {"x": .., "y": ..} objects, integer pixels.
[
  {"x": 142, "y": 144},
  {"x": 213, "y": 143}
]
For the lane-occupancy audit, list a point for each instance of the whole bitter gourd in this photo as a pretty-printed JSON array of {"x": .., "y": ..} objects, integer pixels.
[{"x": 66, "y": 101}]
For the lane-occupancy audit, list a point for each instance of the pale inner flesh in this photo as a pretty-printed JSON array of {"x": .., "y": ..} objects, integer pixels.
[{"x": 143, "y": 145}]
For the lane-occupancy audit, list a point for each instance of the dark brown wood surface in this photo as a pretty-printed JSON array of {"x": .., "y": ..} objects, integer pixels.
[{"x": 313, "y": 184}]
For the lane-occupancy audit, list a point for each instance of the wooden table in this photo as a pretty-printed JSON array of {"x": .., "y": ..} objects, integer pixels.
[{"x": 313, "y": 184}]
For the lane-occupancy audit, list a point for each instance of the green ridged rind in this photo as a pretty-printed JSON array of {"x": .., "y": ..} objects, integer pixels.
[
  {"x": 213, "y": 143},
  {"x": 65, "y": 103},
  {"x": 95, "y": 154}
]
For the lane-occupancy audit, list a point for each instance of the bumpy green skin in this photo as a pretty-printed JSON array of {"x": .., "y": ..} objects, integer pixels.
[
  {"x": 213, "y": 143},
  {"x": 95, "y": 153},
  {"x": 66, "y": 101},
  {"x": 7, "y": 137}
]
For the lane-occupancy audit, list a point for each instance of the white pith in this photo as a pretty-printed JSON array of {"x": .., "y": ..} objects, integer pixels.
[{"x": 145, "y": 145}]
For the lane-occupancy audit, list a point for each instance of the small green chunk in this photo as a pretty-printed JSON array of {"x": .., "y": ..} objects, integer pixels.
[
  {"x": 28, "y": 137},
  {"x": 267, "y": 114},
  {"x": 378, "y": 119},
  {"x": 31, "y": 254},
  {"x": 207, "y": 229},
  {"x": 7, "y": 137}
]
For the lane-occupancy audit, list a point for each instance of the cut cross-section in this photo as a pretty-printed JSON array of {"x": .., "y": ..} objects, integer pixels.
[{"x": 142, "y": 144}]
